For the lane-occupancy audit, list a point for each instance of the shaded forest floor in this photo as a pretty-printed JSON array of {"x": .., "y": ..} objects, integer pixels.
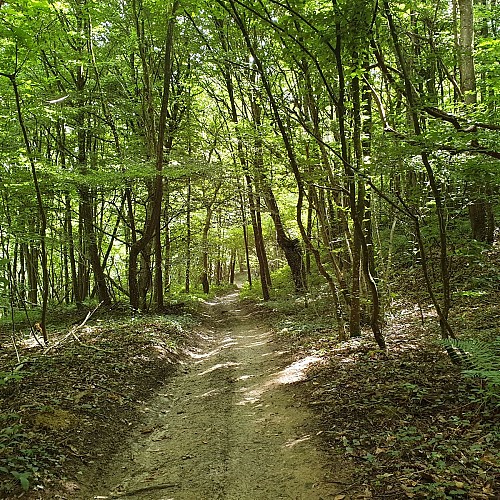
[
  {"x": 408, "y": 422},
  {"x": 404, "y": 424},
  {"x": 74, "y": 406}
]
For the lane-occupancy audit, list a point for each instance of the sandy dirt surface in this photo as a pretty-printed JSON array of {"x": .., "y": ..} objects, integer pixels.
[{"x": 228, "y": 426}]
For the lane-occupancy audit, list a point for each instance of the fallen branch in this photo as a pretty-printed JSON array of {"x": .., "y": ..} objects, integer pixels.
[
  {"x": 132, "y": 493},
  {"x": 72, "y": 332}
]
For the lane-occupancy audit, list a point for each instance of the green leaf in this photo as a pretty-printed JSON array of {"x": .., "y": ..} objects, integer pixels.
[{"x": 22, "y": 477}]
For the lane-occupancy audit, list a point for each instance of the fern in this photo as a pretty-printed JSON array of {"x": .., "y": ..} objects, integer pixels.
[{"x": 479, "y": 359}]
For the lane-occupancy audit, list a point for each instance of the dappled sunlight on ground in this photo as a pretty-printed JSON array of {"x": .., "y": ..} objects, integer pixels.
[
  {"x": 297, "y": 370},
  {"x": 289, "y": 375},
  {"x": 231, "y": 425},
  {"x": 219, "y": 366},
  {"x": 293, "y": 442}
]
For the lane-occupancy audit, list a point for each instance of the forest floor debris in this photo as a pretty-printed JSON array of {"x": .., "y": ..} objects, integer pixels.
[
  {"x": 407, "y": 419},
  {"x": 73, "y": 406},
  {"x": 403, "y": 424}
]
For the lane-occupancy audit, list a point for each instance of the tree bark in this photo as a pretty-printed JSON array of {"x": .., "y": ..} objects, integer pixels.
[
  {"x": 466, "y": 51},
  {"x": 152, "y": 223},
  {"x": 290, "y": 246},
  {"x": 42, "y": 215},
  {"x": 187, "y": 281}
]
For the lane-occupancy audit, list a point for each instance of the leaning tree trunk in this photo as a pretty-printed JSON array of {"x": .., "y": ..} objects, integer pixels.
[
  {"x": 291, "y": 246},
  {"x": 260, "y": 249}
]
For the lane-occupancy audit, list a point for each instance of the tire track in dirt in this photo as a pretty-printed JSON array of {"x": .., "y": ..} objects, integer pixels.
[{"x": 226, "y": 428}]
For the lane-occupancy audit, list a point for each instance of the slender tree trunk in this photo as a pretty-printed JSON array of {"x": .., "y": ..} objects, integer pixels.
[
  {"x": 85, "y": 192},
  {"x": 245, "y": 238},
  {"x": 167, "y": 246},
  {"x": 41, "y": 210},
  {"x": 264, "y": 270},
  {"x": 21, "y": 280},
  {"x": 444, "y": 308},
  {"x": 232, "y": 266},
  {"x": 31, "y": 254},
  {"x": 158, "y": 268},
  {"x": 71, "y": 251},
  {"x": 187, "y": 285},
  {"x": 205, "y": 282},
  {"x": 291, "y": 247},
  {"x": 254, "y": 212}
]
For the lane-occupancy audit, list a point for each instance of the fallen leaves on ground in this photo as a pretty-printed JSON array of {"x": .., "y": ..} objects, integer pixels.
[
  {"x": 408, "y": 421},
  {"x": 75, "y": 402}
]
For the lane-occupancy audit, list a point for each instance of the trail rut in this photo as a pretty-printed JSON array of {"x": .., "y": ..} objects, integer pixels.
[{"x": 228, "y": 427}]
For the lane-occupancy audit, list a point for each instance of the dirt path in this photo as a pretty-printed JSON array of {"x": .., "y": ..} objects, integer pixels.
[{"x": 227, "y": 428}]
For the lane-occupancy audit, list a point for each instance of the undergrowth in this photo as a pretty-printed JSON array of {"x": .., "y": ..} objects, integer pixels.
[
  {"x": 480, "y": 360},
  {"x": 78, "y": 398},
  {"x": 412, "y": 423}
]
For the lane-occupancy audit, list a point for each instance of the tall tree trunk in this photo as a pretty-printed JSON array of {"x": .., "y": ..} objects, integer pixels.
[
  {"x": 187, "y": 284},
  {"x": 158, "y": 268},
  {"x": 71, "y": 251},
  {"x": 443, "y": 308},
  {"x": 205, "y": 281},
  {"x": 152, "y": 223},
  {"x": 41, "y": 209},
  {"x": 264, "y": 270},
  {"x": 86, "y": 196},
  {"x": 167, "y": 245},
  {"x": 232, "y": 266},
  {"x": 466, "y": 51},
  {"x": 245, "y": 238},
  {"x": 480, "y": 209},
  {"x": 260, "y": 249},
  {"x": 290, "y": 246},
  {"x": 91, "y": 245},
  {"x": 31, "y": 254}
]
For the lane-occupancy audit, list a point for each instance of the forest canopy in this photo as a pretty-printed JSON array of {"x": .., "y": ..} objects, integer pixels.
[{"x": 152, "y": 148}]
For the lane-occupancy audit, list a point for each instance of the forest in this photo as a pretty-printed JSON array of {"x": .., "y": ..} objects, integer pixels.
[{"x": 337, "y": 162}]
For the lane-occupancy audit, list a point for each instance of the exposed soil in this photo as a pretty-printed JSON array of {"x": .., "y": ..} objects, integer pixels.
[
  {"x": 229, "y": 427},
  {"x": 131, "y": 409}
]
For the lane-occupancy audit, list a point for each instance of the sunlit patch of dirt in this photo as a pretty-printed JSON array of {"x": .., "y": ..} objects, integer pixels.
[{"x": 56, "y": 420}]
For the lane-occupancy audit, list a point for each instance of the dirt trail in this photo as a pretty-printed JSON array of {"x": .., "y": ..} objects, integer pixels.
[{"x": 227, "y": 428}]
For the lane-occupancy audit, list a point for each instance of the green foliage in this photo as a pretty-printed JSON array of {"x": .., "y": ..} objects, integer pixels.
[
  {"x": 481, "y": 359},
  {"x": 18, "y": 458},
  {"x": 282, "y": 286},
  {"x": 13, "y": 376},
  {"x": 282, "y": 282},
  {"x": 253, "y": 292}
]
